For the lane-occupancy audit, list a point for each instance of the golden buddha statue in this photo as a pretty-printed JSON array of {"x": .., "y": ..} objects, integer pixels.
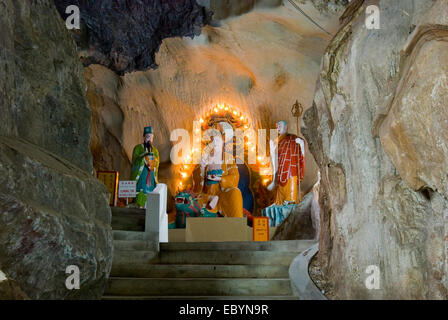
[{"x": 216, "y": 182}]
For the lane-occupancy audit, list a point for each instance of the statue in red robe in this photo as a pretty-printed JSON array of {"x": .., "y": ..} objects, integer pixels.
[{"x": 288, "y": 161}]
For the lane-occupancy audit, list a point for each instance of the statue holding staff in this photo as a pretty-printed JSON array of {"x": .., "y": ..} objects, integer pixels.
[{"x": 288, "y": 162}]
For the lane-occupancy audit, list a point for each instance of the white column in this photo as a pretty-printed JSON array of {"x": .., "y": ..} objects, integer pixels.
[{"x": 156, "y": 221}]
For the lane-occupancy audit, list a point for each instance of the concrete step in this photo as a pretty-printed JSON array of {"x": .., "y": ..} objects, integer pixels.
[
  {"x": 227, "y": 257},
  {"x": 205, "y": 257},
  {"x": 197, "y": 287},
  {"x": 138, "y": 244},
  {"x": 128, "y": 235},
  {"x": 135, "y": 245},
  {"x": 133, "y": 270},
  {"x": 138, "y": 257},
  {"x": 113, "y": 298},
  {"x": 128, "y": 219},
  {"x": 278, "y": 246}
]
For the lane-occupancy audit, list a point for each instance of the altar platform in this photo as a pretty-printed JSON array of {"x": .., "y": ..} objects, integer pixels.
[
  {"x": 214, "y": 230},
  {"x": 197, "y": 229}
]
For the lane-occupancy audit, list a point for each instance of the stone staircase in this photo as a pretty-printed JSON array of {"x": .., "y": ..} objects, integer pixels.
[{"x": 220, "y": 270}]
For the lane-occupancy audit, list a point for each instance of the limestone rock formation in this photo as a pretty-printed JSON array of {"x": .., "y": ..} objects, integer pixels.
[
  {"x": 329, "y": 5},
  {"x": 299, "y": 223},
  {"x": 225, "y": 9},
  {"x": 107, "y": 120},
  {"x": 260, "y": 62},
  {"x": 378, "y": 131},
  {"x": 53, "y": 212},
  {"x": 42, "y": 91},
  {"x": 125, "y": 35},
  {"x": 10, "y": 290}
]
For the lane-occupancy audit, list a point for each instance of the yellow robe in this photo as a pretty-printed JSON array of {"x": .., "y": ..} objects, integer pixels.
[
  {"x": 230, "y": 202},
  {"x": 287, "y": 192}
]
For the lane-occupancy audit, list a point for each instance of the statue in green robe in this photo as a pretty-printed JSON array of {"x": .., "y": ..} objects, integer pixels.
[{"x": 145, "y": 165}]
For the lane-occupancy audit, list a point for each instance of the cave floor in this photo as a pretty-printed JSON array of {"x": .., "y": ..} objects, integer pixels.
[{"x": 324, "y": 284}]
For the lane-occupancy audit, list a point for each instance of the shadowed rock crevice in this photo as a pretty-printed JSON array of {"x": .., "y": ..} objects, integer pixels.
[
  {"x": 125, "y": 35},
  {"x": 301, "y": 223}
]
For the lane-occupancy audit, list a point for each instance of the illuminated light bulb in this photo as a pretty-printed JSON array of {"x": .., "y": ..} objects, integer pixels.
[
  {"x": 259, "y": 158},
  {"x": 201, "y": 120},
  {"x": 221, "y": 106},
  {"x": 183, "y": 174},
  {"x": 226, "y": 108},
  {"x": 216, "y": 110},
  {"x": 242, "y": 118},
  {"x": 180, "y": 184},
  {"x": 235, "y": 113},
  {"x": 246, "y": 127}
]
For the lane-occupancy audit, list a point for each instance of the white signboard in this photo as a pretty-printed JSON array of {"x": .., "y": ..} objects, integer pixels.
[{"x": 127, "y": 189}]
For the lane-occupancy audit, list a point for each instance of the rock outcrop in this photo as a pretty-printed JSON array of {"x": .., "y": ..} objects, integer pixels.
[
  {"x": 299, "y": 224},
  {"x": 10, "y": 290},
  {"x": 53, "y": 212},
  {"x": 125, "y": 35},
  {"x": 329, "y": 5},
  {"x": 230, "y": 8},
  {"x": 378, "y": 132}
]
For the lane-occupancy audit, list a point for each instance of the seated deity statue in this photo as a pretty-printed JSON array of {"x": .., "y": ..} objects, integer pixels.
[{"x": 216, "y": 183}]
